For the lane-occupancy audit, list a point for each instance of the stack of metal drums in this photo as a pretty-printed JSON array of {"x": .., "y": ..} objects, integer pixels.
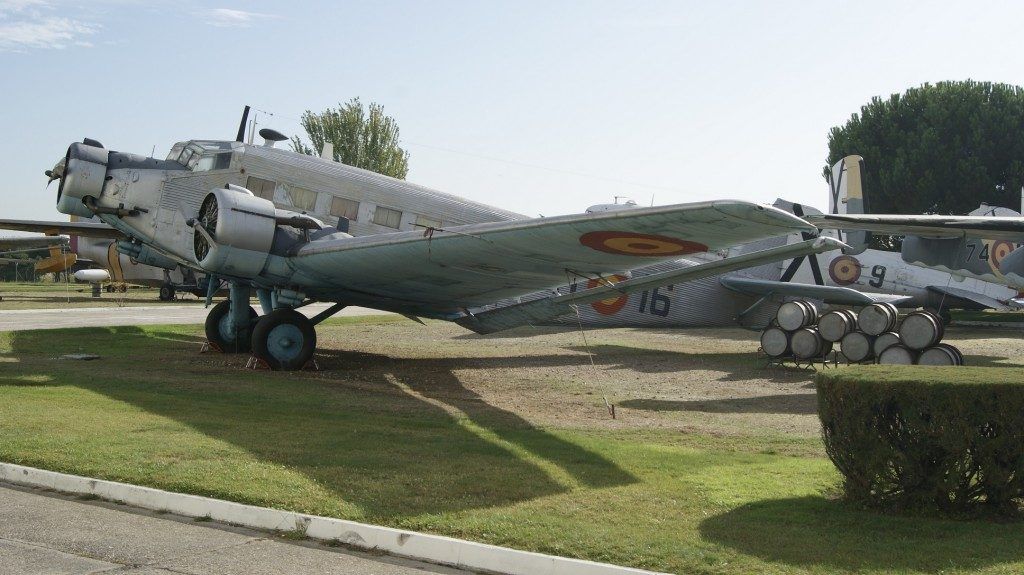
[
  {"x": 873, "y": 334},
  {"x": 920, "y": 336},
  {"x": 869, "y": 333},
  {"x": 794, "y": 333}
]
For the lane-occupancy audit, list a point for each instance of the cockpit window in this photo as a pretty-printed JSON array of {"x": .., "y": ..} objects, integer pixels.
[
  {"x": 219, "y": 161},
  {"x": 203, "y": 155},
  {"x": 175, "y": 152}
]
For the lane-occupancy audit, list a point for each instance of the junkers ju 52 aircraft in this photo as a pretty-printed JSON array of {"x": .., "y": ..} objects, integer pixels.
[{"x": 210, "y": 206}]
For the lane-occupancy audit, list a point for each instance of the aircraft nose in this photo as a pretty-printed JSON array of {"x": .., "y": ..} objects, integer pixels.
[{"x": 81, "y": 176}]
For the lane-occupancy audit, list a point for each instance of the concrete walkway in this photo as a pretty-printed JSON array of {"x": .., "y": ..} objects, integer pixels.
[
  {"x": 44, "y": 533},
  {"x": 22, "y": 319}
]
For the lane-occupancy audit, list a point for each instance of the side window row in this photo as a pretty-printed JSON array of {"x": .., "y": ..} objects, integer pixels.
[{"x": 340, "y": 207}]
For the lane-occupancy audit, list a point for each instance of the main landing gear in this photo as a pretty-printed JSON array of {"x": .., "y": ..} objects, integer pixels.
[{"x": 282, "y": 338}]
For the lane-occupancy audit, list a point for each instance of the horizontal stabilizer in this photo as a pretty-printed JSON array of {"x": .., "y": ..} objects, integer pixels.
[
  {"x": 542, "y": 310},
  {"x": 985, "y": 227},
  {"x": 981, "y": 300},
  {"x": 82, "y": 229},
  {"x": 829, "y": 294}
]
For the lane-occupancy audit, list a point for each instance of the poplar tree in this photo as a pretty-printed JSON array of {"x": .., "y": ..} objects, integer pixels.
[{"x": 362, "y": 137}]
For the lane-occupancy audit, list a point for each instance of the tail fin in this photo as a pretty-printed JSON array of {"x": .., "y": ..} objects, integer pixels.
[{"x": 846, "y": 196}]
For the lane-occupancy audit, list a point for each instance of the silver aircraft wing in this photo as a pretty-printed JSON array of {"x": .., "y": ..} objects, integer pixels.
[
  {"x": 985, "y": 227},
  {"x": 829, "y": 294},
  {"x": 539, "y": 311},
  {"x": 979, "y": 300},
  {"x": 83, "y": 229},
  {"x": 445, "y": 271}
]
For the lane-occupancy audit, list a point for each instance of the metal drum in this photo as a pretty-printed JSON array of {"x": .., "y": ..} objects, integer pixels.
[
  {"x": 856, "y": 346},
  {"x": 898, "y": 354},
  {"x": 807, "y": 343},
  {"x": 885, "y": 340},
  {"x": 921, "y": 329},
  {"x": 941, "y": 354},
  {"x": 877, "y": 318},
  {"x": 775, "y": 342},
  {"x": 835, "y": 324},
  {"x": 794, "y": 315}
]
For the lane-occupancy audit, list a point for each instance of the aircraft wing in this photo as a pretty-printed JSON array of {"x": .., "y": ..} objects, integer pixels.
[
  {"x": 829, "y": 294},
  {"x": 445, "y": 271},
  {"x": 84, "y": 229},
  {"x": 32, "y": 242},
  {"x": 985, "y": 227},
  {"x": 982, "y": 301},
  {"x": 541, "y": 310}
]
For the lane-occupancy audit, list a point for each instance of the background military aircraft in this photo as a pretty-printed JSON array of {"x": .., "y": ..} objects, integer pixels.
[
  {"x": 59, "y": 256},
  {"x": 981, "y": 245},
  {"x": 212, "y": 206},
  {"x": 879, "y": 271},
  {"x": 100, "y": 251}
]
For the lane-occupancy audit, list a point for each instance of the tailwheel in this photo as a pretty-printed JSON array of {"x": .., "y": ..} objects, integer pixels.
[
  {"x": 285, "y": 339},
  {"x": 221, "y": 332},
  {"x": 167, "y": 292}
]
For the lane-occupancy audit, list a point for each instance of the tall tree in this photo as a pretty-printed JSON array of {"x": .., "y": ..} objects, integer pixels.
[
  {"x": 364, "y": 138},
  {"x": 945, "y": 147}
]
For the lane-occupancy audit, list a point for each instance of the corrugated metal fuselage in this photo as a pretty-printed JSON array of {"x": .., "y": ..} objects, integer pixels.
[{"x": 378, "y": 205}]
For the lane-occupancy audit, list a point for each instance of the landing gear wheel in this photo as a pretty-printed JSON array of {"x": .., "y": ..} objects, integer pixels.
[
  {"x": 218, "y": 330},
  {"x": 285, "y": 339},
  {"x": 167, "y": 292}
]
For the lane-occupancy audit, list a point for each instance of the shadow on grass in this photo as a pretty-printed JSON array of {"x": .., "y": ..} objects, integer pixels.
[
  {"x": 816, "y": 532},
  {"x": 740, "y": 366},
  {"x": 729, "y": 332},
  {"x": 397, "y": 437},
  {"x": 792, "y": 403}
]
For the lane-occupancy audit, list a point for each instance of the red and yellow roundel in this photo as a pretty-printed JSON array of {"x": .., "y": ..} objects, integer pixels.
[
  {"x": 844, "y": 270},
  {"x": 634, "y": 244},
  {"x": 997, "y": 251},
  {"x": 612, "y": 305}
]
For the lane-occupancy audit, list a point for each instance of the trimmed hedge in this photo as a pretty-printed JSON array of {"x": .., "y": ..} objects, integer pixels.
[{"x": 926, "y": 439}]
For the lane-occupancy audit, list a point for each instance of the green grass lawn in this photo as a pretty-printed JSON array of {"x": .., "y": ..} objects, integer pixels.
[
  {"x": 390, "y": 445},
  {"x": 988, "y": 316}
]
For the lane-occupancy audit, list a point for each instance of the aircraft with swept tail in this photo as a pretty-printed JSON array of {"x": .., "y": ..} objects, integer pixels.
[{"x": 978, "y": 247}]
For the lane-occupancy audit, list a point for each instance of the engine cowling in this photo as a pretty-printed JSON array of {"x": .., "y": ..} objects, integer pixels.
[
  {"x": 241, "y": 226},
  {"x": 85, "y": 172}
]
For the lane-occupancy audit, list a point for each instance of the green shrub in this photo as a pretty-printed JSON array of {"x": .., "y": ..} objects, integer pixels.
[{"x": 946, "y": 440}]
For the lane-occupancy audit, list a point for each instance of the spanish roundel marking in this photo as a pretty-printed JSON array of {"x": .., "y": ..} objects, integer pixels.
[
  {"x": 612, "y": 305},
  {"x": 999, "y": 250},
  {"x": 844, "y": 270},
  {"x": 634, "y": 244}
]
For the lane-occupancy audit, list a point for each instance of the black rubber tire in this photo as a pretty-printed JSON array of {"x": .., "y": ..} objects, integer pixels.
[
  {"x": 167, "y": 292},
  {"x": 271, "y": 351},
  {"x": 213, "y": 333}
]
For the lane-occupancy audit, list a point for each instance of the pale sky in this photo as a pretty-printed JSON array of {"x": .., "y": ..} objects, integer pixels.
[{"x": 538, "y": 107}]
